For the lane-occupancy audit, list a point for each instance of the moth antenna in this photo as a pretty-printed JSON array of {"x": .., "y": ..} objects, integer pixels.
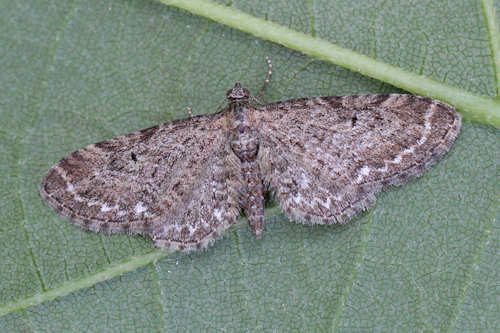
[
  {"x": 256, "y": 100},
  {"x": 268, "y": 78},
  {"x": 220, "y": 106}
]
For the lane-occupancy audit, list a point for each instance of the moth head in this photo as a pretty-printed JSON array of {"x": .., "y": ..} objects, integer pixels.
[{"x": 238, "y": 93}]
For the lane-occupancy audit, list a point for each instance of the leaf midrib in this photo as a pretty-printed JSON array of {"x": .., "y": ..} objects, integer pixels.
[{"x": 472, "y": 106}]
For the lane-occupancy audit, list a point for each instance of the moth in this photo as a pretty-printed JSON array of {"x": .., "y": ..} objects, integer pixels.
[{"x": 184, "y": 182}]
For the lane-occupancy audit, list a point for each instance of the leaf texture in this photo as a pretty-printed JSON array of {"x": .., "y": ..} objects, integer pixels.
[{"x": 74, "y": 73}]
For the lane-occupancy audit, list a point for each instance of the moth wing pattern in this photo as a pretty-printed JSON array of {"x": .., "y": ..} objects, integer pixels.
[
  {"x": 321, "y": 157},
  {"x": 174, "y": 182}
]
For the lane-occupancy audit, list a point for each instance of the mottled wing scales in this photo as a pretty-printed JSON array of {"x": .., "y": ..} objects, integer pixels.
[
  {"x": 208, "y": 210},
  {"x": 326, "y": 158},
  {"x": 150, "y": 182}
]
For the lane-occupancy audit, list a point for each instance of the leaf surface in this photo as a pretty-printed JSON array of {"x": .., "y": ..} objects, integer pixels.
[{"x": 78, "y": 72}]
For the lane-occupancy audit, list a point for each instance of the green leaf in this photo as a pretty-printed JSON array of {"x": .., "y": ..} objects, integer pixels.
[
  {"x": 472, "y": 106},
  {"x": 74, "y": 73}
]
